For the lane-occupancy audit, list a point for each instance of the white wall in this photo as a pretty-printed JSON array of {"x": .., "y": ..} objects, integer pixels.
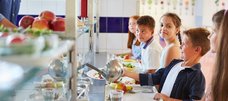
[
  {"x": 209, "y": 8},
  {"x": 36, "y": 6}
]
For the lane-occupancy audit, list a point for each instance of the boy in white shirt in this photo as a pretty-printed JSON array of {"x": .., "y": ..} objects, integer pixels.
[{"x": 151, "y": 49}]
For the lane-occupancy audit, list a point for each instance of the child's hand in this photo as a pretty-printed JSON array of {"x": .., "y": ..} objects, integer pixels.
[
  {"x": 130, "y": 74},
  {"x": 159, "y": 96}
]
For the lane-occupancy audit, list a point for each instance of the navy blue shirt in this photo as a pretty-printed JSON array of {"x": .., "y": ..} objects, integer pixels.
[
  {"x": 189, "y": 84},
  {"x": 10, "y": 9}
]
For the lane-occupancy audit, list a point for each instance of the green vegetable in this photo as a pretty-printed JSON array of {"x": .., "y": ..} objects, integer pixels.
[{"x": 129, "y": 65}]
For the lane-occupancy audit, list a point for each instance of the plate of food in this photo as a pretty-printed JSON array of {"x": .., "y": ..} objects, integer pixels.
[
  {"x": 126, "y": 80},
  {"x": 94, "y": 74},
  {"x": 129, "y": 66},
  {"x": 129, "y": 60}
]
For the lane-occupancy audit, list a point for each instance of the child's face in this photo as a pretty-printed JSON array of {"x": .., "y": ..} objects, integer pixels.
[
  {"x": 144, "y": 33},
  {"x": 132, "y": 25},
  {"x": 213, "y": 40},
  {"x": 168, "y": 30},
  {"x": 187, "y": 49}
]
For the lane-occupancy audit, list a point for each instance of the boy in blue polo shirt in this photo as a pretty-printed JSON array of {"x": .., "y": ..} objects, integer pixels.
[{"x": 181, "y": 79}]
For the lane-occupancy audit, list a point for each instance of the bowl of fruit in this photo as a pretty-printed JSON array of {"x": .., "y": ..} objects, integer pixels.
[{"x": 20, "y": 44}]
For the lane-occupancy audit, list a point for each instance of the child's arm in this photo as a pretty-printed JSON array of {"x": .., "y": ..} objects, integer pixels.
[
  {"x": 146, "y": 79},
  {"x": 133, "y": 75},
  {"x": 6, "y": 23}
]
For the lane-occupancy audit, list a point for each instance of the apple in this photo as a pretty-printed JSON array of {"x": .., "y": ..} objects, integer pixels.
[
  {"x": 47, "y": 15},
  {"x": 15, "y": 39},
  {"x": 129, "y": 87},
  {"x": 40, "y": 24},
  {"x": 26, "y": 21},
  {"x": 121, "y": 86},
  {"x": 58, "y": 24},
  {"x": 127, "y": 57}
]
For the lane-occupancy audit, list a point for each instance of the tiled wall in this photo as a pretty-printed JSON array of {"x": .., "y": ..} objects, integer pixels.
[
  {"x": 114, "y": 18},
  {"x": 209, "y": 9},
  {"x": 113, "y": 24}
]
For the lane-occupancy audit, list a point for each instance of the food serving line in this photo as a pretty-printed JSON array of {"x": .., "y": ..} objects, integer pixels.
[{"x": 100, "y": 89}]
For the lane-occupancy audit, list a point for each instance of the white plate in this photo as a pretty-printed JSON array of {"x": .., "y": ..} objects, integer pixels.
[
  {"x": 93, "y": 74},
  {"x": 127, "y": 80}
]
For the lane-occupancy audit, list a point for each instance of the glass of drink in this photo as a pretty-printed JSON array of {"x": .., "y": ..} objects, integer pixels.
[
  {"x": 116, "y": 95},
  {"x": 48, "y": 94}
]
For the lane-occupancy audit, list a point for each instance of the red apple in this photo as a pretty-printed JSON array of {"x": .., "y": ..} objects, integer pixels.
[
  {"x": 26, "y": 21},
  {"x": 40, "y": 24},
  {"x": 48, "y": 15},
  {"x": 58, "y": 24},
  {"x": 15, "y": 39},
  {"x": 127, "y": 57},
  {"x": 121, "y": 86}
]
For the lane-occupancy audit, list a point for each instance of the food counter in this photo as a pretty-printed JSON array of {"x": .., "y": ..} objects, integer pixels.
[
  {"x": 138, "y": 93},
  {"x": 97, "y": 90},
  {"x": 100, "y": 89}
]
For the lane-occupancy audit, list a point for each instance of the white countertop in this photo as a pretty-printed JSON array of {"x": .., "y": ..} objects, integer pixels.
[{"x": 137, "y": 96}]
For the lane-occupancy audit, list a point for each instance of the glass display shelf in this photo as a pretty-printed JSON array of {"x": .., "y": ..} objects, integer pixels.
[
  {"x": 30, "y": 66},
  {"x": 41, "y": 60}
]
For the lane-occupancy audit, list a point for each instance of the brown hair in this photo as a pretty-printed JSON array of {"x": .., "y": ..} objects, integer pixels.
[
  {"x": 220, "y": 82},
  {"x": 146, "y": 21},
  {"x": 217, "y": 18},
  {"x": 199, "y": 37},
  {"x": 131, "y": 36},
  {"x": 176, "y": 20}
]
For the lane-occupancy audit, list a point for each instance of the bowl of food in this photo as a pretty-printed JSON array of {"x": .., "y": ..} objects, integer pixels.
[
  {"x": 19, "y": 44},
  {"x": 129, "y": 67},
  {"x": 94, "y": 75}
]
